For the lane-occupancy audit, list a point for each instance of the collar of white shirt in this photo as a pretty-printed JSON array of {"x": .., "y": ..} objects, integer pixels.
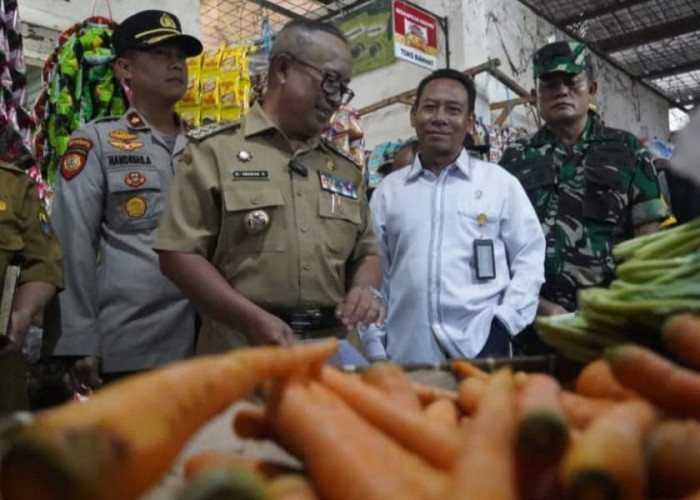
[{"x": 463, "y": 163}]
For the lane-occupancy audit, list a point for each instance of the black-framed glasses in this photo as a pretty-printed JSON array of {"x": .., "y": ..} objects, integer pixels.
[{"x": 330, "y": 83}]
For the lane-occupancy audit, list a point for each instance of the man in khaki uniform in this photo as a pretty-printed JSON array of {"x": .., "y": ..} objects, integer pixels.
[
  {"x": 26, "y": 238},
  {"x": 266, "y": 228}
]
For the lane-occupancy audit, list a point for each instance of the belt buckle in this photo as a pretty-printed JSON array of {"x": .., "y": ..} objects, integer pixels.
[{"x": 300, "y": 321}]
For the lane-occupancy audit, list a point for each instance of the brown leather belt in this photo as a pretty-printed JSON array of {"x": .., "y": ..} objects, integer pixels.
[{"x": 308, "y": 320}]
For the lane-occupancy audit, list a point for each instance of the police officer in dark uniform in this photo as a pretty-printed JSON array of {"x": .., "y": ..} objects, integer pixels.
[{"x": 119, "y": 313}]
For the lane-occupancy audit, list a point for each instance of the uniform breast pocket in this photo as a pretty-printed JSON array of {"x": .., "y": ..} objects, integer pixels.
[
  {"x": 479, "y": 220},
  {"x": 254, "y": 220},
  {"x": 604, "y": 199},
  {"x": 135, "y": 200},
  {"x": 340, "y": 224}
]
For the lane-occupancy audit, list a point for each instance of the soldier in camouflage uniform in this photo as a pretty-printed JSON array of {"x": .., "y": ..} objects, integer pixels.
[{"x": 592, "y": 186}]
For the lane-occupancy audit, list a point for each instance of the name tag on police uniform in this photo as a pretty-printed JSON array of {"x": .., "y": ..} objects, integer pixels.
[
  {"x": 250, "y": 175},
  {"x": 336, "y": 185}
]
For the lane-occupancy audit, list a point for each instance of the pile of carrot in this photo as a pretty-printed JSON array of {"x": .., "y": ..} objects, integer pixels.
[{"x": 628, "y": 429}]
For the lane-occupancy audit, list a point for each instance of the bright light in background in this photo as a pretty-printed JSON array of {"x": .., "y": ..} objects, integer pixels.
[{"x": 677, "y": 119}]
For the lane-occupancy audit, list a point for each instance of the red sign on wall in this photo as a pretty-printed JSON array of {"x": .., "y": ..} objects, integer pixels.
[{"x": 415, "y": 35}]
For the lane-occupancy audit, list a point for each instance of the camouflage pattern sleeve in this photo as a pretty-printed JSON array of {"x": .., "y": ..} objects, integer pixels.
[
  {"x": 645, "y": 194},
  {"x": 512, "y": 157}
]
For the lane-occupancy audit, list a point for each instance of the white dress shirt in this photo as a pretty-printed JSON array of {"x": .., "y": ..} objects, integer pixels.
[{"x": 426, "y": 226}]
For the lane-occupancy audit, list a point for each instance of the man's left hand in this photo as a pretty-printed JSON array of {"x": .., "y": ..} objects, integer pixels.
[
  {"x": 360, "y": 306},
  {"x": 19, "y": 326}
]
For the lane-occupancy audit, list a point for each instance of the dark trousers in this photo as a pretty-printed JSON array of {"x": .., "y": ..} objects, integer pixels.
[{"x": 498, "y": 343}]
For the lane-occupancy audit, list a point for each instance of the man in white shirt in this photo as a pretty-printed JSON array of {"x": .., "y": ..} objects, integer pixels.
[{"x": 462, "y": 246}]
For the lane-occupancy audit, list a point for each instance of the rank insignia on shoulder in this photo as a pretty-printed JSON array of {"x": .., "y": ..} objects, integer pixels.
[
  {"x": 211, "y": 129},
  {"x": 135, "y": 119}
]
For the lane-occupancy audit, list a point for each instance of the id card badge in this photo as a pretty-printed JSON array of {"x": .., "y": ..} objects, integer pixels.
[{"x": 484, "y": 259}]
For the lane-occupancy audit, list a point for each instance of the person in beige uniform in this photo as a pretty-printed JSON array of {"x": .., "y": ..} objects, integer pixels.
[
  {"x": 27, "y": 240},
  {"x": 266, "y": 227}
]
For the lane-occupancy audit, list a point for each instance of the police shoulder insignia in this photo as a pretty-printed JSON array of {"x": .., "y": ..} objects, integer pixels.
[
  {"x": 331, "y": 145},
  {"x": 211, "y": 129},
  {"x": 75, "y": 157}
]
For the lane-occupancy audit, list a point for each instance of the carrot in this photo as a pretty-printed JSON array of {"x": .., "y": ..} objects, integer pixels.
[
  {"x": 608, "y": 460},
  {"x": 597, "y": 380},
  {"x": 127, "y": 436},
  {"x": 444, "y": 412},
  {"x": 428, "y": 393},
  {"x": 225, "y": 481},
  {"x": 657, "y": 379},
  {"x": 580, "y": 410},
  {"x": 541, "y": 437},
  {"x": 467, "y": 370},
  {"x": 411, "y": 428},
  {"x": 469, "y": 394},
  {"x": 485, "y": 469},
  {"x": 291, "y": 487},
  {"x": 681, "y": 334},
  {"x": 674, "y": 465},
  {"x": 346, "y": 457},
  {"x": 542, "y": 428},
  {"x": 207, "y": 459},
  {"x": 252, "y": 423},
  {"x": 391, "y": 379}
]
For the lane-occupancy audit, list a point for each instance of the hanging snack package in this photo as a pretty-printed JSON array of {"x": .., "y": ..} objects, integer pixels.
[
  {"x": 209, "y": 115},
  {"x": 243, "y": 94},
  {"x": 192, "y": 94},
  {"x": 210, "y": 91},
  {"x": 342, "y": 141},
  {"x": 95, "y": 42},
  {"x": 230, "y": 109},
  {"x": 211, "y": 60},
  {"x": 354, "y": 128},
  {"x": 189, "y": 116},
  {"x": 229, "y": 59}
]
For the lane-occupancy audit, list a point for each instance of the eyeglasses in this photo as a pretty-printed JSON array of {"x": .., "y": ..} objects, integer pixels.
[{"x": 330, "y": 82}]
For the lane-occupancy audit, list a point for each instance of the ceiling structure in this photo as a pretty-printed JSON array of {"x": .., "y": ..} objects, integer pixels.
[{"x": 655, "y": 41}]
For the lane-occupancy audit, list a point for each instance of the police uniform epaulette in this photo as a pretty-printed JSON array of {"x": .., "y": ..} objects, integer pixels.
[
  {"x": 107, "y": 119},
  {"x": 331, "y": 145},
  {"x": 210, "y": 129}
]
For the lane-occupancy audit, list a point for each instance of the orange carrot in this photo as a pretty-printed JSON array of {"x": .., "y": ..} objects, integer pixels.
[
  {"x": 252, "y": 423},
  {"x": 485, "y": 469},
  {"x": 291, "y": 487},
  {"x": 346, "y": 457},
  {"x": 659, "y": 380},
  {"x": 469, "y": 393},
  {"x": 681, "y": 335},
  {"x": 207, "y": 459},
  {"x": 608, "y": 460},
  {"x": 467, "y": 370},
  {"x": 674, "y": 465},
  {"x": 428, "y": 393},
  {"x": 127, "y": 436},
  {"x": 411, "y": 428},
  {"x": 597, "y": 380},
  {"x": 443, "y": 411},
  {"x": 542, "y": 427},
  {"x": 391, "y": 379},
  {"x": 541, "y": 438},
  {"x": 580, "y": 410}
]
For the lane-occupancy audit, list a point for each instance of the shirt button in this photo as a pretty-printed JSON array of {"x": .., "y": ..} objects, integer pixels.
[
  {"x": 298, "y": 192},
  {"x": 307, "y": 266},
  {"x": 343, "y": 210},
  {"x": 255, "y": 199},
  {"x": 303, "y": 228}
]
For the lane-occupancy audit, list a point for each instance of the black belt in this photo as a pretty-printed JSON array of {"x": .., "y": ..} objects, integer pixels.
[{"x": 308, "y": 320}]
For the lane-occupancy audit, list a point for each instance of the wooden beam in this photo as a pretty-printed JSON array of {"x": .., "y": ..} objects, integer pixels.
[
  {"x": 593, "y": 13},
  {"x": 509, "y": 82},
  {"x": 673, "y": 70},
  {"x": 511, "y": 103},
  {"x": 648, "y": 35},
  {"x": 407, "y": 97}
]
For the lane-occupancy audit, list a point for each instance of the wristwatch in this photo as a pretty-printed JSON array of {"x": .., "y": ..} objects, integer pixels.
[{"x": 376, "y": 294}]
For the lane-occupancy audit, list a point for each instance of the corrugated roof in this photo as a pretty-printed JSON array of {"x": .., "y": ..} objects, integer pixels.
[{"x": 656, "y": 41}]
